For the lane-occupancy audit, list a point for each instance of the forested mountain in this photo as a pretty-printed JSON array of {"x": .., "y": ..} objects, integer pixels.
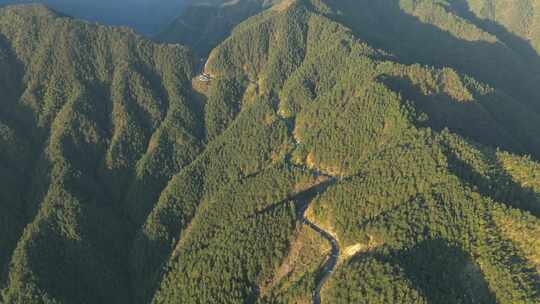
[
  {"x": 397, "y": 139},
  {"x": 145, "y": 16},
  {"x": 203, "y": 24}
]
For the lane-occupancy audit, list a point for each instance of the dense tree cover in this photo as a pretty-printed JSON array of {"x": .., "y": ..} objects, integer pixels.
[
  {"x": 430, "y": 208},
  {"x": 446, "y": 33},
  {"x": 505, "y": 21},
  {"x": 356, "y": 112},
  {"x": 249, "y": 148},
  {"x": 369, "y": 280},
  {"x": 421, "y": 166},
  {"x": 125, "y": 186},
  {"x": 93, "y": 110}
]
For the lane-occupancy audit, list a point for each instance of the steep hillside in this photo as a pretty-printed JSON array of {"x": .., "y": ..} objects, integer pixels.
[
  {"x": 457, "y": 34},
  {"x": 316, "y": 131},
  {"x": 408, "y": 187},
  {"x": 94, "y": 121},
  {"x": 513, "y": 23}
]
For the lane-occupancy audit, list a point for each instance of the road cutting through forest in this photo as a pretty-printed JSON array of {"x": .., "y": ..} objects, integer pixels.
[
  {"x": 329, "y": 265},
  {"x": 303, "y": 200}
]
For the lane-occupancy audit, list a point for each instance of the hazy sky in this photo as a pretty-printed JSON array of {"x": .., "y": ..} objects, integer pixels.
[{"x": 146, "y": 16}]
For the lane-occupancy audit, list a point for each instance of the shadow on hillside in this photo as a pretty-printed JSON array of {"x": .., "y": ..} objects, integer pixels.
[
  {"x": 197, "y": 103},
  {"x": 63, "y": 268},
  {"x": 501, "y": 187},
  {"x": 14, "y": 157},
  {"x": 384, "y": 24},
  {"x": 518, "y": 44},
  {"x": 493, "y": 119},
  {"x": 439, "y": 271},
  {"x": 148, "y": 260},
  {"x": 11, "y": 87},
  {"x": 444, "y": 273},
  {"x": 466, "y": 118}
]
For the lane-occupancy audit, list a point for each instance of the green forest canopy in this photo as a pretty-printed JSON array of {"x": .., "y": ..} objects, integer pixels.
[{"x": 123, "y": 184}]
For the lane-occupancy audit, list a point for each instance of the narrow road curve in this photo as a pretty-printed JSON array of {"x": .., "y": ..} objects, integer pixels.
[
  {"x": 303, "y": 200},
  {"x": 330, "y": 264}
]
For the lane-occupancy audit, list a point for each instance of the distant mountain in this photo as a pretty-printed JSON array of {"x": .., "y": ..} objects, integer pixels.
[
  {"x": 336, "y": 151},
  {"x": 145, "y": 16},
  {"x": 203, "y": 24}
]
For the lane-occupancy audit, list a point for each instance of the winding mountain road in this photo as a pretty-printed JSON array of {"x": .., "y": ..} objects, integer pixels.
[
  {"x": 303, "y": 200},
  {"x": 330, "y": 264}
]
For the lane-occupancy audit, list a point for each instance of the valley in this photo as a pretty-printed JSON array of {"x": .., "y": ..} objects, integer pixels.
[{"x": 320, "y": 152}]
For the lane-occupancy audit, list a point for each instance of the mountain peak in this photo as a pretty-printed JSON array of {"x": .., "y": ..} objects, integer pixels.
[{"x": 327, "y": 152}]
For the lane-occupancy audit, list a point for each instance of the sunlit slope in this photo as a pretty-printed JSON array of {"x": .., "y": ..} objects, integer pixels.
[
  {"x": 410, "y": 188},
  {"x": 474, "y": 37},
  {"x": 125, "y": 185}
]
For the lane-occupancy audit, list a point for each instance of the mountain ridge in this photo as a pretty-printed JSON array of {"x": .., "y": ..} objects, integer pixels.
[{"x": 142, "y": 190}]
